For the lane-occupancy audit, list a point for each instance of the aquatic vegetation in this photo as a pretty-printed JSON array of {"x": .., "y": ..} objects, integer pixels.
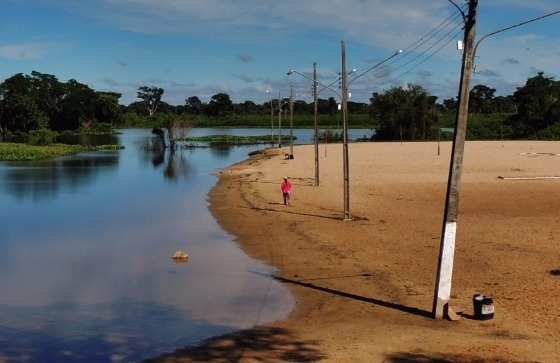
[
  {"x": 25, "y": 152},
  {"x": 237, "y": 140}
]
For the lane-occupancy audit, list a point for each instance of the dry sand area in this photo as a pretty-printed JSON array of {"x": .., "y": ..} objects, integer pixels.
[{"x": 364, "y": 289}]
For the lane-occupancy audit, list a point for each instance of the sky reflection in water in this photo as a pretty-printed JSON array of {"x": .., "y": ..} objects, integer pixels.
[{"x": 85, "y": 269}]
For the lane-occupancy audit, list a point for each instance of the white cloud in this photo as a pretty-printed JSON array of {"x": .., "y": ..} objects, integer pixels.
[
  {"x": 369, "y": 21},
  {"x": 385, "y": 25},
  {"x": 23, "y": 51}
]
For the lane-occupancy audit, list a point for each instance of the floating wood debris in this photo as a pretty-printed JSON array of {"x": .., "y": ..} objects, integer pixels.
[
  {"x": 180, "y": 256},
  {"x": 529, "y": 177}
]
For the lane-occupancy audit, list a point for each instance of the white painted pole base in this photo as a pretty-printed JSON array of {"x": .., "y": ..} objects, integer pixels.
[{"x": 443, "y": 292}]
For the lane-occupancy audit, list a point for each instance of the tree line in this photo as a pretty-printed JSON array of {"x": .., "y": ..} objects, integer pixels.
[{"x": 41, "y": 101}]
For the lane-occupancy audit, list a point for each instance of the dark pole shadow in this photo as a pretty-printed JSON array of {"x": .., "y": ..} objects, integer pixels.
[
  {"x": 292, "y": 212},
  {"x": 421, "y": 357},
  {"x": 304, "y": 184},
  {"x": 295, "y": 213},
  {"x": 260, "y": 344},
  {"x": 386, "y": 304}
]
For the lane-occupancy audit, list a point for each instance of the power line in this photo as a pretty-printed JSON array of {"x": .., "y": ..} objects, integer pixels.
[
  {"x": 449, "y": 35},
  {"x": 425, "y": 59},
  {"x": 428, "y": 37},
  {"x": 412, "y": 47}
]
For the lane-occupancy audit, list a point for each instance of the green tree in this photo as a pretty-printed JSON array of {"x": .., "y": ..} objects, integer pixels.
[
  {"x": 107, "y": 107},
  {"x": 77, "y": 108},
  {"x": 408, "y": 113},
  {"x": 48, "y": 92},
  {"x": 151, "y": 97},
  {"x": 536, "y": 103},
  {"x": 481, "y": 99},
  {"x": 21, "y": 113},
  {"x": 220, "y": 105},
  {"x": 193, "y": 105}
]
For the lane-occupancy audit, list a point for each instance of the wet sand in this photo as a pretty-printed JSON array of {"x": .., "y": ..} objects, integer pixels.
[{"x": 364, "y": 289}]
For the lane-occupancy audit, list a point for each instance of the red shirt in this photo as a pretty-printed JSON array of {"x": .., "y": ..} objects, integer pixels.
[{"x": 286, "y": 187}]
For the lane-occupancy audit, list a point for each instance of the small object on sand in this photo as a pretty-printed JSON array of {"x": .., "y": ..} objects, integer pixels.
[
  {"x": 483, "y": 307},
  {"x": 180, "y": 256}
]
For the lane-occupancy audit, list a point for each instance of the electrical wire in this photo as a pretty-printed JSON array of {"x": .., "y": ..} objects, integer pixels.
[{"x": 425, "y": 59}]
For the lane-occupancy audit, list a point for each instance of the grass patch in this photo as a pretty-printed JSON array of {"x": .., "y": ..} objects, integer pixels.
[
  {"x": 25, "y": 152},
  {"x": 237, "y": 140}
]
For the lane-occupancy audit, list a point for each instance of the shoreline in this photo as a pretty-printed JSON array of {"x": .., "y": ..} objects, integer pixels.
[{"x": 361, "y": 292}]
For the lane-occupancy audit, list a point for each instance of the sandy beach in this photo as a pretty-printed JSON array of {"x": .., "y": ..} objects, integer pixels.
[{"x": 364, "y": 288}]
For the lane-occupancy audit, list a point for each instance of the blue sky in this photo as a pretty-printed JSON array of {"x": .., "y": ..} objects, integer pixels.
[{"x": 243, "y": 47}]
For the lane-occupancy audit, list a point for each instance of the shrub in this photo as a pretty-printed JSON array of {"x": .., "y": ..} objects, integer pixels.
[
  {"x": 42, "y": 137},
  {"x": 550, "y": 133},
  {"x": 103, "y": 128}
]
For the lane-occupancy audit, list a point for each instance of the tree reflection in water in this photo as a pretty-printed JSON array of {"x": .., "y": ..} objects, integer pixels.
[
  {"x": 177, "y": 167},
  {"x": 45, "y": 179},
  {"x": 176, "y": 163}
]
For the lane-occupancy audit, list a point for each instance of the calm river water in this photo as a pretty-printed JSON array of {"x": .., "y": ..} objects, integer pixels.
[{"x": 86, "y": 241}]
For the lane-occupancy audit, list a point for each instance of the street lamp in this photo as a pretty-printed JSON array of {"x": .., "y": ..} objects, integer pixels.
[
  {"x": 269, "y": 93},
  {"x": 442, "y": 291},
  {"x": 315, "y": 112},
  {"x": 291, "y": 122},
  {"x": 280, "y": 104},
  {"x": 345, "y": 95}
]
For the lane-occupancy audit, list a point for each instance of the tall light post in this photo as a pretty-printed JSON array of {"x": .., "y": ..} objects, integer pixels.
[
  {"x": 316, "y": 91},
  {"x": 345, "y": 160},
  {"x": 291, "y": 122},
  {"x": 279, "y": 121},
  {"x": 315, "y": 114},
  {"x": 442, "y": 293},
  {"x": 343, "y": 97},
  {"x": 269, "y": 92},
  {"x": 316, "y": 122}
]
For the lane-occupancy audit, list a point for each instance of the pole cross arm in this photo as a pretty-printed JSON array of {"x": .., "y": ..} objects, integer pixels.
[{"x": 513, "y": 27}]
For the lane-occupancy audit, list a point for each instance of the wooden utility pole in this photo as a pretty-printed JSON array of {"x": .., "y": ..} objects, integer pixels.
[
  {"x": 316, "y": 123},
  {"x": 279, "y": 121},
  {"x": 345, "y": 163},
  {"x": 271, "y": 120},
  {"x": 291, "y": 122},
  {"x": 442, "y": 293}
]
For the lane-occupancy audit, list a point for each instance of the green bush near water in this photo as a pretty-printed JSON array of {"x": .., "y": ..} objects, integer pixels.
[
  {"x": 25, "y": 152},
  {"x": 42, "y": 137}
]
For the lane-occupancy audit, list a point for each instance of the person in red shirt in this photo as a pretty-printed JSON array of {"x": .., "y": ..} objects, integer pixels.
[{"x": 286, "y": 188}]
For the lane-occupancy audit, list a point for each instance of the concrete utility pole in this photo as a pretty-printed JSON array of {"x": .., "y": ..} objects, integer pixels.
[
  {"x": 316, "y": 123},
  {"x": 291, "y": 122},
  {"x": 442, "y": 293},
  {"x": 279, "y": 121},
  {"x": 271, "y": 119},
  {"x": 345, "y": 163}
]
